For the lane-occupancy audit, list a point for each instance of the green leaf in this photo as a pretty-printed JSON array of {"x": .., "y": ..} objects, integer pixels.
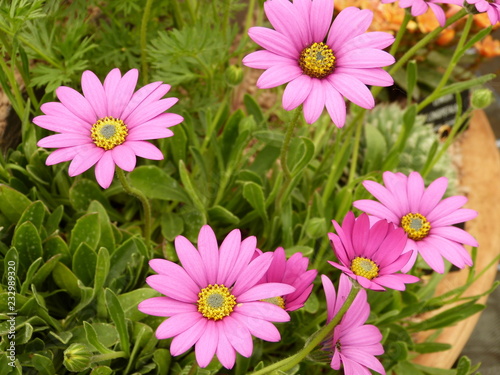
[
  {"x": 130, "y": 300},
  {"x": 44, "y": 365},
  {"x": 34, "y": 213},
  {"x": 155, "y": 183},
  {"x": 55, "y": 246},
  {"x": 85, "y": 191},
  {"x": 222, "y": 216},
  {"x": 28, "y": 244},
  {"x": 179, "y": 148},
  {"x": 272, "y": 138},
  {"x": 101, "y": 370},
  {"x": 411, "y": 77},
  {"x": 101, "y": 270},
  {"x": 315, "y": 227},
  {"x": 12, "y": 203},
  {"x": 461, "y": 86},
  {"x": 306, "y": 152},
  {"x": 253, "y": 109},
  {"x": 107, "y": 239},
  {"x": 172, "y": 225},
  {"x": 476, "y": 38},
  {"x": 84, "y": 263},
  {"x": 121, "y": 258},
  {"x": 305, "y": 250},
  {"x": 407, "y": 368},
  {"x": 376, "y": 148},
  {"x": 11, "y": 260},
  {"x": 448, "y": 317},
  {"x": 118, "y": 316},
  {"x": 29, "y": 275},
  {"x": 431, "y": 347},
  {"x": 464, "y": 365},
  {"x": 65, "y": 279},
  {"x": 247, "y": 175},
  {"x": 162, "y": 359},
  {"x": 188, "y": 185},
  {"x": 254, "y": 194},
  {"x": 93, "y": 340},
  {"x": 54, "y": 219},
  {"x": 230, "y": 133},
  {"x": 88, "y": 230}
]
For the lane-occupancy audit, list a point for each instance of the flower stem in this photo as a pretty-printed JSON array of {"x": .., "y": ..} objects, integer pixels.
[
  {"x": 286, "y": 142},
  {"x": 401, "y": 33},
  {"x": 108, "y": 356},
  {"x": 357, "y": 140},
  {"x": 145, "y": 204},
  {"x": 144, "y": 29},
  {"x": 315, "y": 340}
]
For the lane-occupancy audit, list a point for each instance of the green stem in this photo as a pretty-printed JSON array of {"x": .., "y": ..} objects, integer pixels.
[
  {"x": 357, "y": 141},
  {"x": 286, "y": 142},
  {"x": 315, "y": 340},
  {"x": 454, "y": 60},
  {"x": 144, "y": 30},
  {"x": 145, "y": 203},
  {"x": 108, "y": 356},
  {"x": 401, "y": 33},
  {"x": 424, "y": 41}
]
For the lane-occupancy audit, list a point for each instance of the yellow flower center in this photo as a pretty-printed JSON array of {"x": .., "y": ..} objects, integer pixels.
[
  {"x": 416, "y": 226},
  {"x": 278, "y": 301},
  {"x": 108, "y": 132},
  {"x": 216, "y": 302},
  {"x": 364, "y": 267},
  {"x": 317, "y": 60}
]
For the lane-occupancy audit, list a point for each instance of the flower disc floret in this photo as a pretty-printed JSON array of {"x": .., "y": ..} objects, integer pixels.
[
  {"x": 109, "y": 132},
  {"x": 416, "y": 226},
  {"x": 317, "y": 60},
  {"x": 364, "y": 267},
  {"x": 215, "y": 302},
  {"x": 278, "y": 301}
]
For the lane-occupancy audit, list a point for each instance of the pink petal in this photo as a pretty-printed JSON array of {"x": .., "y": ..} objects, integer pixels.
[
  {"x": 418, "y": 8},
  {"x": 165, "y": 306},
  {"x": 251, "y": 274},
  {"x": 263, "y": 291},
  {"x": 454, "y": 234},
  {"x": 228, "y": 254},
  {"x": 365, "y": 58},
  {"x": 207, "y": 344},
  {"x": 353, "y": 89},
  {"x": 376, "y": 209},
  {"x": 297, "y": 91},
  {"x": 145, "y": 150},
  {"x": 459, "y": 216},
  {"x": 349, "y": 23},
  {"x": 335, "y": 104},
  {"x": 225, "y": 351},
  {"x": 76, "y": 104},
  {"x": 264, "y": 59},
  {"x": 353, "y": 367},
  {"x": 105, "y": 170},
  {"x": 85, "y": 159},
  {"x": 330, "y": 296},
  {"x": 64, "y": 140},
  {"x": 454, "y": 252},
  {"x": 58, "y": 110},
  {"x": 431, "y": 256},
  {"x": 147, "y": 112},
  {"x": 124, "y": 157},
  {"x": 209, "y": 252},
  {"x": 262, "y": 310},
  {"x": 142, "y": 133},
  {"x": 246, "y": 251},
  {"x": 432, "y": 195},
  {"x": 320, "y": 18},
  {"x": 62, "y": 125},
  {"x": 415, "y": 190},
  {"x": 259, "y": 328},
  {"x": 369, "y": 76},
  {"x": 374, "y": 39},
  {"x": 284, "y": 19},
  {"x": 238, "y": 335},
  {"x": 62, "y": 155},
  {"x": 384, "y": 196},
  {"x": 446, "y": 207},
  {"x": 278, "y": 266},
  {"x": 145, "y": 95},
  {"x": 94, "y": 93},
  {"x": 110, "y": 84},
  {"x": 397, "y": 185},
  {"x": 439, "y": 12},
  {"x": 315, "y": 102},
  {"x": 191, "y": 260},
  {"x": 124, "y": 92},
  {"x": 177, "y": 324},
  {"x": 278, "y": 75},
  {"x": 365, "y": 360},
  {"x": 185, "y": 340},
  {"x": 274, "y": 41},
  {"x": 179, "y": 286},
  {"x": 360, "y": 235}
]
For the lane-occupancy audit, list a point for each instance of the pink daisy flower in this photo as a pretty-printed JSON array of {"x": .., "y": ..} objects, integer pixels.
[
  {"x": 214, "y": 300},
  {"x": 491, "y": 7},
  {"x": 292, "y": 272},
  {"x": 353, "y": 343},
  {"x": 371, "y": 255},
  {"x": 425, "y": 217},
  {"x": 107, "y": 125},
  {"x": 419, "y": 7},
  {"x": 321, "y": 61}
]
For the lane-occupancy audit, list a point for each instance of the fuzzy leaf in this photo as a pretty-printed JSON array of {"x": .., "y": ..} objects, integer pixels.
[
  {"x": 172, "y": 225},
  {"x": 28, "y": 244},
  {"x": 84, "y": 263},
  {"x": 88, "y": 230},
  {"x": 155, "y": 183},
  {"x": 12, "y": 203},
  {"x": 118, "y": 316}
]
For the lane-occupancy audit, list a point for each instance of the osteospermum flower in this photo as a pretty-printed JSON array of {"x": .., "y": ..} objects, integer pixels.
[
  {"x": 107, "y": 125},
  {"x": 371, "y": 255},
  {"x": 321, "y": 61},
  {"x": 214, "y": 300},
  {"x": 426, "y": 218},
  {"x": 293, "y": 272},
  {"x": 353, "y": 344},
  {"x": 419, "y": 7}
]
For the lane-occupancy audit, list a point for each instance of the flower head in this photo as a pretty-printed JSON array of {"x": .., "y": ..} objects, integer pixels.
[
  {"x": 371, "y": 255},
  {"x": 214, "y": 299},
  {"x": 107, "y": 125},
  {"x": 321, "y": 61},
  {"x": 490, "y": 7},
  {"x": 292, "y": 272},
  {"x": 425, "y": 217},
  {"x": 353, "y": 343}
]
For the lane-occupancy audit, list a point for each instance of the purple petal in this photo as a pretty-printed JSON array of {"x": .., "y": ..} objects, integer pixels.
[
  {"x": 349, "y": 23},
  {"x": 251, "y": 274},
  {"x": 320, "y": 18},
  {"x": 105, "y": 170},
  {"x": 147, "y": 112},
  {"x": 263, "y": 291},
  {"x": 191, "y": 260},
  {"x": 278, "y": 75},
  {"x": 145, "y": 150},
  {"x": 353, "y": 89},
  {"x": 297, "y": 91},
  {"x": 94, "y": 93},
  {"x": 335, "y": 104},
  {"x": 124, "y": 157},
  {"x": 264, "y": 60},
  {"x": 165, "y": 306},
  {"x": 369, "y": 76},
  {"x": 209, "y": 252},
  {"x": 360, "y": 234},
  {"x": 238, "y": 335},
  {"x": 207, "y": 344},
  {"x": 185, "y": 340},
  {"x": 432, "y": 195},
  {"x": 259, "y": 328},
  {"x": 228, "y": 254},
  {"x": 246, "y": 252},
  {"x": 85, "y": 159},
  {"x": 277, "y": 268},
  {"x": 274, "y": 41},
  {"x": 179, "y": 286},
  {"x": 76, "y": 104},
  {"x": 262, "y": 310},
  {"x": 177, "y": 324}
]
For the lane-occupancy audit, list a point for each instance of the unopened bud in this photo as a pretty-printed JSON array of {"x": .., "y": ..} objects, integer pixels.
[
  {"x": 233, "y": 75},
  {"x": 481, "y": 98},
  {"x": 77, "y": 357}
]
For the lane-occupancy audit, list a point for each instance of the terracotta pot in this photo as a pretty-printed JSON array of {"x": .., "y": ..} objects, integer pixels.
[{"x": 479, "y": 175}]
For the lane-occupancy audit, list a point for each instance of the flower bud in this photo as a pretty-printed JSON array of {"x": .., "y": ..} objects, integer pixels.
[
  {"x": 247, "y": 123},
  {"x": 77, "y": 357},
  {"x": 481, "y": 98},
  {"x": 233, "y": 75}
]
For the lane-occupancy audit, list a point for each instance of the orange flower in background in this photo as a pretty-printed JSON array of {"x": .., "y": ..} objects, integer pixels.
[
  {"x": 481, "y": 20},
  {"x": 427, "y": 22},
  {"x": 488, "y": 47}
]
